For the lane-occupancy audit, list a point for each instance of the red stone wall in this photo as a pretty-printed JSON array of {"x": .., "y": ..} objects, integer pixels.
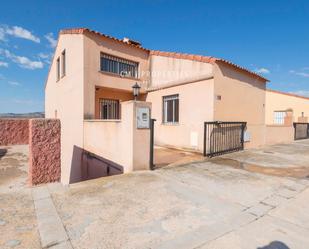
[
  {"x": 14, "y": 131},
  {"x": 44, "y": 151}
]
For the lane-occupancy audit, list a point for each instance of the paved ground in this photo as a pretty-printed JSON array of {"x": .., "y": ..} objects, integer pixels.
[
  {"x": 279, "y": 160},
  {"x": 208, "y": 204},
  {"x": 173, "y": 157},
  {"x": 18, "y": 225}
]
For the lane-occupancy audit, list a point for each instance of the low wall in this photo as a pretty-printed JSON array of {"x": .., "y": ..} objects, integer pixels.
[
  {"x": 276, "y": 134},
  {"x": 14, "y": 131},
  {"x": 44, "y": 151},
  {"x": 257, "y": 136},
  {"x": 119, "y": 141}
]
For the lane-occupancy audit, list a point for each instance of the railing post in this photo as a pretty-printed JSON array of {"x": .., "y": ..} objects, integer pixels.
[
  {"x": 295, "y": 126},
  {"x": 151, "y": 162},
  {"x": 243, "y": 126},
  {"x": 205, "y": 139}
]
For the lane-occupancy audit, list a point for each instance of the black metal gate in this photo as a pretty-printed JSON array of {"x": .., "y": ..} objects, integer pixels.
[
  {"x": 223, "y": 137},
  {"x": 301, "y": 131}
]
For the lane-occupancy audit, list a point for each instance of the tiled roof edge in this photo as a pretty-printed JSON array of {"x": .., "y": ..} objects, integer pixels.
[
  {"x": 288, "y": 94},
  {"x": 86, "y": 30},
  {"x": 201, "y": 58}
]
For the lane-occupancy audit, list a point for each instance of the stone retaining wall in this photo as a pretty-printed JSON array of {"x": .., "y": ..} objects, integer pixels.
[
  {"x": 14, "y": 131},
  {"x": 44, "y": 151}
]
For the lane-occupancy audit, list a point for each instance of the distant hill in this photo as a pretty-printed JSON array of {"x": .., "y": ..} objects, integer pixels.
[{"x": 23, "y": 115}]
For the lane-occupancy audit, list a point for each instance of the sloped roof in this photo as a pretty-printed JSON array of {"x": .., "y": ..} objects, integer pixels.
[
  {"x": 207, "y": 59},
  {"x": 200, "y": 58},
  {"x": 288, "y": 94},
  {"x": 86, "y": 30}
]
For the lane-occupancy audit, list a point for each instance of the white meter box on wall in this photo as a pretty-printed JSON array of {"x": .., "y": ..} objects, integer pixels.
[{"x": 143, "y": 117}]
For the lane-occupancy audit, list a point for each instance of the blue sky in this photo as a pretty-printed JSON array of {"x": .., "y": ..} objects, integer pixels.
[{"x": 271, "y": 37}]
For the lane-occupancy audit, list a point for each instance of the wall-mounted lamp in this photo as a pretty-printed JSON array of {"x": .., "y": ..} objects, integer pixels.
[{"x": 136, "y": 88}]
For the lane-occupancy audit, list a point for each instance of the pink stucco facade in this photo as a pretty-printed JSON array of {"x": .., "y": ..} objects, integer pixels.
[
  {"x": 74, "y": 97},
  {"x": 241, "y": 98},
  {"x": 14, "y": 131},
  {"x": 44, "y": 151},
  {"x": 298, "y": 106},
  {"x": 207, "y": 88}
]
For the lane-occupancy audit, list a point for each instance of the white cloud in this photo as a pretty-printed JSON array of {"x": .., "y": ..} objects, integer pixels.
[
  {"x": 23, "y": 101},
  {"x": 43, "y": 56},
  {"x": 20, "y": 32},
  {"x": 301, "y": 93},
  {"x": 14, "y": 83},
  {"x": 2, "y": 34},
  {"x": 50, "y": 38},
  {"x": 27, "y": 63},
  {"x": 306, "y": 75},
  {"x": 4, "y": 64},
  {"x": 22, "y": 61},
  {"x": 262, "y": 70},
  {"x": 300, "y": 73}
]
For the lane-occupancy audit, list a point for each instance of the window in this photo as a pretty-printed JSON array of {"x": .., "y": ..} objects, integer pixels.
[
  {"x": 171, "y": 109},
  {"x": 109, "y": 109},
  {"x": 58, "y": 68},
  {"x": 279, "y": 117},
  {"x": 122, "y": 67},
  {"x": 63, "y": 63}
]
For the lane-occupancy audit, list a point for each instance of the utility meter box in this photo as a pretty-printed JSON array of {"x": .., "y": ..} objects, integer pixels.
[
  {"x": 143, "y": 117},
  {"x": 247, "y": 136}
]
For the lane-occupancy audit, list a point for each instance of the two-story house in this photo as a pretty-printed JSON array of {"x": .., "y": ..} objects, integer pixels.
[{"x": 92, "y": 74}]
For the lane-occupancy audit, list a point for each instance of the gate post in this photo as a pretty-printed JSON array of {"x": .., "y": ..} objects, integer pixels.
[
  {"x": 243, "y": 126},
  {"x": 151, "y": 163},
  {"x": 205, "y": 139}
]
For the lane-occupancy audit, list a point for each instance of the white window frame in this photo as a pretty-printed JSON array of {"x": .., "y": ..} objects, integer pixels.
[
  {"x": 278, "y": 117},
  {"x": 63, "y": 66},
  {"x": 173, "y": 98},
  {"x": 58, "y": 69}
]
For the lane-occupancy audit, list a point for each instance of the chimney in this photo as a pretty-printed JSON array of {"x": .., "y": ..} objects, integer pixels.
[{"x": 132, "y": 42}]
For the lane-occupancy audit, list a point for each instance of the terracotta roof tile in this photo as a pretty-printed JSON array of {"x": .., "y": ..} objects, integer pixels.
[
  {"x": 86, "y": 30},
  {"x": 201, "y": 58}
]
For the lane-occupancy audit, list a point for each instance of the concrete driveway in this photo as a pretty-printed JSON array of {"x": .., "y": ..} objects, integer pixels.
[
  {"x": 198, "y": 205},
  {"x": 279, "y": 160}
]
